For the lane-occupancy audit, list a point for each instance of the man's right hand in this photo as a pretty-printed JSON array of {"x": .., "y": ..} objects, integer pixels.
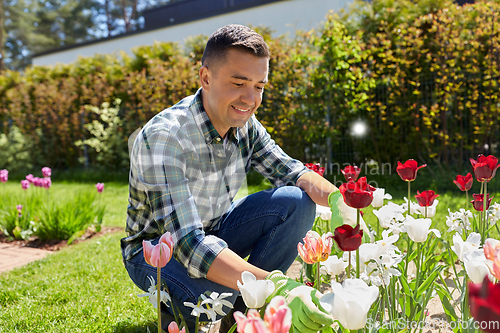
[{"x": 307, "y": 314}]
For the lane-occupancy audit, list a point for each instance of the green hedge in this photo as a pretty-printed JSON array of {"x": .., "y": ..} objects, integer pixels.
[{"x": 425, "y": 80}]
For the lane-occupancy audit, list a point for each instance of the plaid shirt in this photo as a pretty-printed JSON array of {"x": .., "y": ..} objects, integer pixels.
[{"x": 183, "y": 177}]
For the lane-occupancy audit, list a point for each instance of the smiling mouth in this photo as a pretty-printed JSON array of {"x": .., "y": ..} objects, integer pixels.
[{"x": 241, "y": 110}]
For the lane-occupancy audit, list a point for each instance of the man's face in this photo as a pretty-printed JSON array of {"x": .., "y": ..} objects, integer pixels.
[{"x": 233, "y": 89}]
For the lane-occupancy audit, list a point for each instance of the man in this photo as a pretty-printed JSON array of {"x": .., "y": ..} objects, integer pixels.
[{"x": 187, "y": 165}]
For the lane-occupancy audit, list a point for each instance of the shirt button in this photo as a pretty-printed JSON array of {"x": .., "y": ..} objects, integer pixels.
[
  {"x": 218, "y": 139},
  {"x": 219, "y": 154}
]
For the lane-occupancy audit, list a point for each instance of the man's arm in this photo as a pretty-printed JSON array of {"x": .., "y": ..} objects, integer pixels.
[
  {"x": 227, "y": 267},
  {"x": 317, "y": 187}
]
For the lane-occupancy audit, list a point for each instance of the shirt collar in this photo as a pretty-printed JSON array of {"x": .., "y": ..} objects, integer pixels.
[{"x": 204, "y": 123}]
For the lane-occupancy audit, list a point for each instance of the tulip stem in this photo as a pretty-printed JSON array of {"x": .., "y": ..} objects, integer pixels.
[
  {"x": 466, "y": 199},
  {"x": 349, "y": 266},
  {"x": 357, "y": 250},
  {"x": 158, "y": 295},
  {"x": 318, "y": 277},
  {"x": 485, "y": 221},
  {"x": 409, "y": 186}
]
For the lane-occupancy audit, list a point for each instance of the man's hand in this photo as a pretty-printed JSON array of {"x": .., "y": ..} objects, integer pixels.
[{"x": 307, "y": 314}]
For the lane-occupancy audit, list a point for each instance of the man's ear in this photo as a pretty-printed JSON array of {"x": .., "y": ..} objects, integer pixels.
[{"x": 205, "y": 77}]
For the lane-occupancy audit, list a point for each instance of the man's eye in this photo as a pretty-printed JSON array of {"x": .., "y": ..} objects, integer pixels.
[{"x": 238, "y": 84}]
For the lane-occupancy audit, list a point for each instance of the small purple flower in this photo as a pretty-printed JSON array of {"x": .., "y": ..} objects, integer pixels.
[
  {"x": 25, "y": 184},
  {"x": 29, "y": 178},
  {"x": 46, "y": 171},
  {"x": 100, "y": 187},
  {"x": 4, "y": 175},
  {"x": 46, "y": 182},
  {"x": 19, "y": 210}
]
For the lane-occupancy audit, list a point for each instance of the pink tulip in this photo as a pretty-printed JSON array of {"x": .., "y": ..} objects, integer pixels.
[
  {"x": 160, "y": 254},
  {"x": 25, "y": 184},
  {"x": 251, "y": 323},
  {"x": 37, "y": 182},
  {"x": 278, "y": 315},
  {"x": 315, "y": 248},
  {"x": 29, "y": 178},
  {"x": 19, "y": 210},
  {"x": 46, "y": 171},
  {"x": 491, "y": 250},
  {"x": 47, "y": 182},
  {"x": 173, "y": 328},
  {"x": 4, "y": 175},
  {"x": 99, "y": 187}
]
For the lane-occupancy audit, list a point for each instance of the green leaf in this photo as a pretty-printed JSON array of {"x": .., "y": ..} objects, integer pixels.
[{"x": 75, "y": 236}]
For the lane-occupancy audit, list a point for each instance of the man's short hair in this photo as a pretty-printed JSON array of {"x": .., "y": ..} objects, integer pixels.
[{"x": 233, "y": 36}]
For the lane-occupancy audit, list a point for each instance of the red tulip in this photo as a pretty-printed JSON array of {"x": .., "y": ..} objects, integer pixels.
[
  {"x": 478, "y": 201},
  {"x": 351, "y": 172},
  {"x": 484, "y": 302},
  {"x": 357, "y": 194},
  {"x": 160, "y": 254},
  {"x": 464, "y": 183},
  {"x": 485, "y": 167},
  {"x": 348, "y": 238},
  {"x": 426, "y": 198},
  {"x": 316, "y": 168},
  {"x": 408, "y": 170}
]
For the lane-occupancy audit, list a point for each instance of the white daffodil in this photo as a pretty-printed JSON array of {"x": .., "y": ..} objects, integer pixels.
[
  {"x": 414, "y": 207},
  {"x": 349, "y": 302},
  {"x": 217, "y": 301},
  {"x": 379, "y": 271},
  {"x": 418, "y": 229},
  {"x": 471, "y": 243},
  {"x": 333, "y": 266},
  {"x": 378, "y": 197},
  {"x": 475, "y": 265},
  {"x": 431, "y": 210},
  {"x": 494, "y": 213},
  {"x": 198, "y": 310},
  {"x": 253, "y": 291},
  {"x": 324, "y": 212},
  {"x": 386, "y": 244},
  {"x": 164, "y": 296},
  {"x": 458, "y": 221},
  {"x": 389, "y": 214}
]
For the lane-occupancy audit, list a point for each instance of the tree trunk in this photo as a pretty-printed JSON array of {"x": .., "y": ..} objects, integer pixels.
[{"x": 109, "y": 19}]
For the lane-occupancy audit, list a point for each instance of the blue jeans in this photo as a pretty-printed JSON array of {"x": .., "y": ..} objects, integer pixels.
[{"x": 266, "y": 226}]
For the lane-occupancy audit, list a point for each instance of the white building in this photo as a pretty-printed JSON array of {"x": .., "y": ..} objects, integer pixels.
[{"x": 177, "y": 21}]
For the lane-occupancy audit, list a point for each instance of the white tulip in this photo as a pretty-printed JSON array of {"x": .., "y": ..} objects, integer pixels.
[
  {"x": 475, "y": 265},
  {"x": 324, "y": 212},
  {"x": 350, "y": 302},
  {"x": 431, "y": 210},
  {"x": 414, "y": 207},
  {"x": 418, "y": 229},
  {"x": 253, "y": 291},
  {"x": 378, "y": 197},
  {"x": 460, "y": 247},
  {"x": 333, "y": 266}
]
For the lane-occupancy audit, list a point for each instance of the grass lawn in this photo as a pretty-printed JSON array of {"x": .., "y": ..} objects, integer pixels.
[{"x": 85, "y": 288}]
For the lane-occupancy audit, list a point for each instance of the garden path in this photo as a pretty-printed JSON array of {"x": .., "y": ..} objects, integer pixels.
[{"x": 12, "y": 256}]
